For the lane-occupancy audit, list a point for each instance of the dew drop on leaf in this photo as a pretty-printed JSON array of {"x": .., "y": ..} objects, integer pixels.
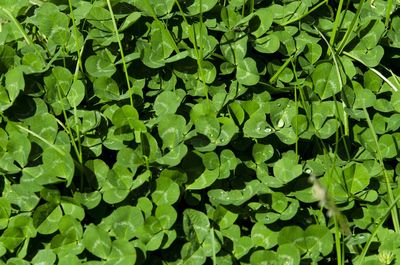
[{"x": 267, "y": 130}]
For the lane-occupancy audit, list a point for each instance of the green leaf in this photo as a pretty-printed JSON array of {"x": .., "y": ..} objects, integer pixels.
[
  {"x": 367, "y": 49},
  {"x": 117, "y": 185},
  {"x": 364, "y": 98},
  {"x": 395, "y": 100},
  {"x": 320, "y": 238},
  {"x": 72, "y": 208},
  {"x": 247, "y": 73},
  {"x": 12, "y": 237},
  {"x": 19, "y": 147},
  {"x": 282, "y": 172},
  {"x": 290, "y": 234},
  {"x": 62, "y": 166},
  {"x": 234, "y": 197},
  {"x": 130, "y": 20},
  {"x": 128, "y": 116},
  {"x": 106, "y": 88},
  {"x": 263, "y": 257},
  {"x": 257, "y": 126},
  {"x": 122, "y": 252},
  {"x": 167, "y": 192},
  {"x": 52, "y": 23},
  {"x": 100, "y": 66},
  {"x": 387, "y": 145},
  {"x": 70, "y": 227},
  {"x": 262, "y": 23},
  {"x": 166, "y": 215},
  {"x": 44, "y": 257},
  {"x": 234, "y": 47},
  {"x": 174, "y": 156},
  {"x": 357, "y": 178},
  {"x": 168, "y": 102},
  {"x": 100, "y": 18},
  {"x": 314, "y": 52},
  {"x": 161, "y": 40},
  {"x": 242, "y": 246},
  {"x": 206, "y": 179},
  {"x": 171, "y": 129},
  {"x": 5, "y": 212},
  {"x": 14, "y": 82},
  {"x": 328, "y": 129},
  {"x": 262, "y": 153},
  {"x": 97, "y": 241},
  {"x": 263, "y": 237},
  {"x": 195, "y": 225},
  {"x": 33, "y": 63},
  {"x": 209, "y": 126},
  {"x": 200, "y": 6},
  {"x": 326, "y": 80},
  {"x": 46, "y": 218},
  {"x": 267, "y": 44},
  {"x": 125, "y": 221},
  {"x": 224, "y": 217},
  {"x": 155, "y": 7},
  {"x": 22, "y": 196},
  {"x": 209, "y": 72},
  {"x": 76, "y": 93}
]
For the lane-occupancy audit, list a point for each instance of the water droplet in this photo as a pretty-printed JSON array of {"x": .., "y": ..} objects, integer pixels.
[
  {"x": 267, "y": 130},
  {"x": 281, "y": 123},
  {"x": 308, "y": 171}
]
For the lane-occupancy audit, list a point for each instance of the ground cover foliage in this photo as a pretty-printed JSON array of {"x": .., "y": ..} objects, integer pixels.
[{"x": 199, "y": 132}]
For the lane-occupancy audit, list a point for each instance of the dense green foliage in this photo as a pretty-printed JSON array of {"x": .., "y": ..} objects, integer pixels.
[{"x": 199, "y": 131}]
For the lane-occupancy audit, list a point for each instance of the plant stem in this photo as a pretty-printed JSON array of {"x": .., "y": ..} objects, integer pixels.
[
  {"x": 395, "y": 217},
  {"x": 345, "y": 39},
  {"x": 306, "y": 14},
  {"x": 121, "y": 51},
  {"x": 335, "y": 25},
  {"x": 388, "y": 9}
]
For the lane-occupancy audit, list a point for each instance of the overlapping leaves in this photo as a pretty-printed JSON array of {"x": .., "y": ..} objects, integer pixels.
[{"x": 186, "y": 131}]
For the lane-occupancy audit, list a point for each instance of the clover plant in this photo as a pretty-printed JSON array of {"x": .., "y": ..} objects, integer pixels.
[{"x": 199, "y": 132}]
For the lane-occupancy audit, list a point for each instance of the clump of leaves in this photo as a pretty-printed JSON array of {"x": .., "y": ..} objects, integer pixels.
[{"x": 135, "y": 132}]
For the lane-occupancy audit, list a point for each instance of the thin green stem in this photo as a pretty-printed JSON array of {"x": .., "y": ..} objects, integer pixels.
[
  {"x": 78, "y": 147},
  {"x": 387, "y": 81},
  {"x": 60, "y": 151},
  {"x": 305, "y": 14},
  {"x": 121, "y": 51},
  {"x": 338, "y": 239},
  {"x": 281, "y": 68},
  {"x": 251, "y": 3},
  {"x": 395, "y": 217},
  {"x": 297, "y": 108},
  {"x": 360, "y": 259},
  {"x": 339, "y": 75},
  {"x": 346, "y": 37},
  {"x": 22, "y": 31},
  {"x": 192, "y": 33},
  {"x": 388, "y": 9},
  {"x": 335, "y": 25},
  {"x": 154, "y": 15}
]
